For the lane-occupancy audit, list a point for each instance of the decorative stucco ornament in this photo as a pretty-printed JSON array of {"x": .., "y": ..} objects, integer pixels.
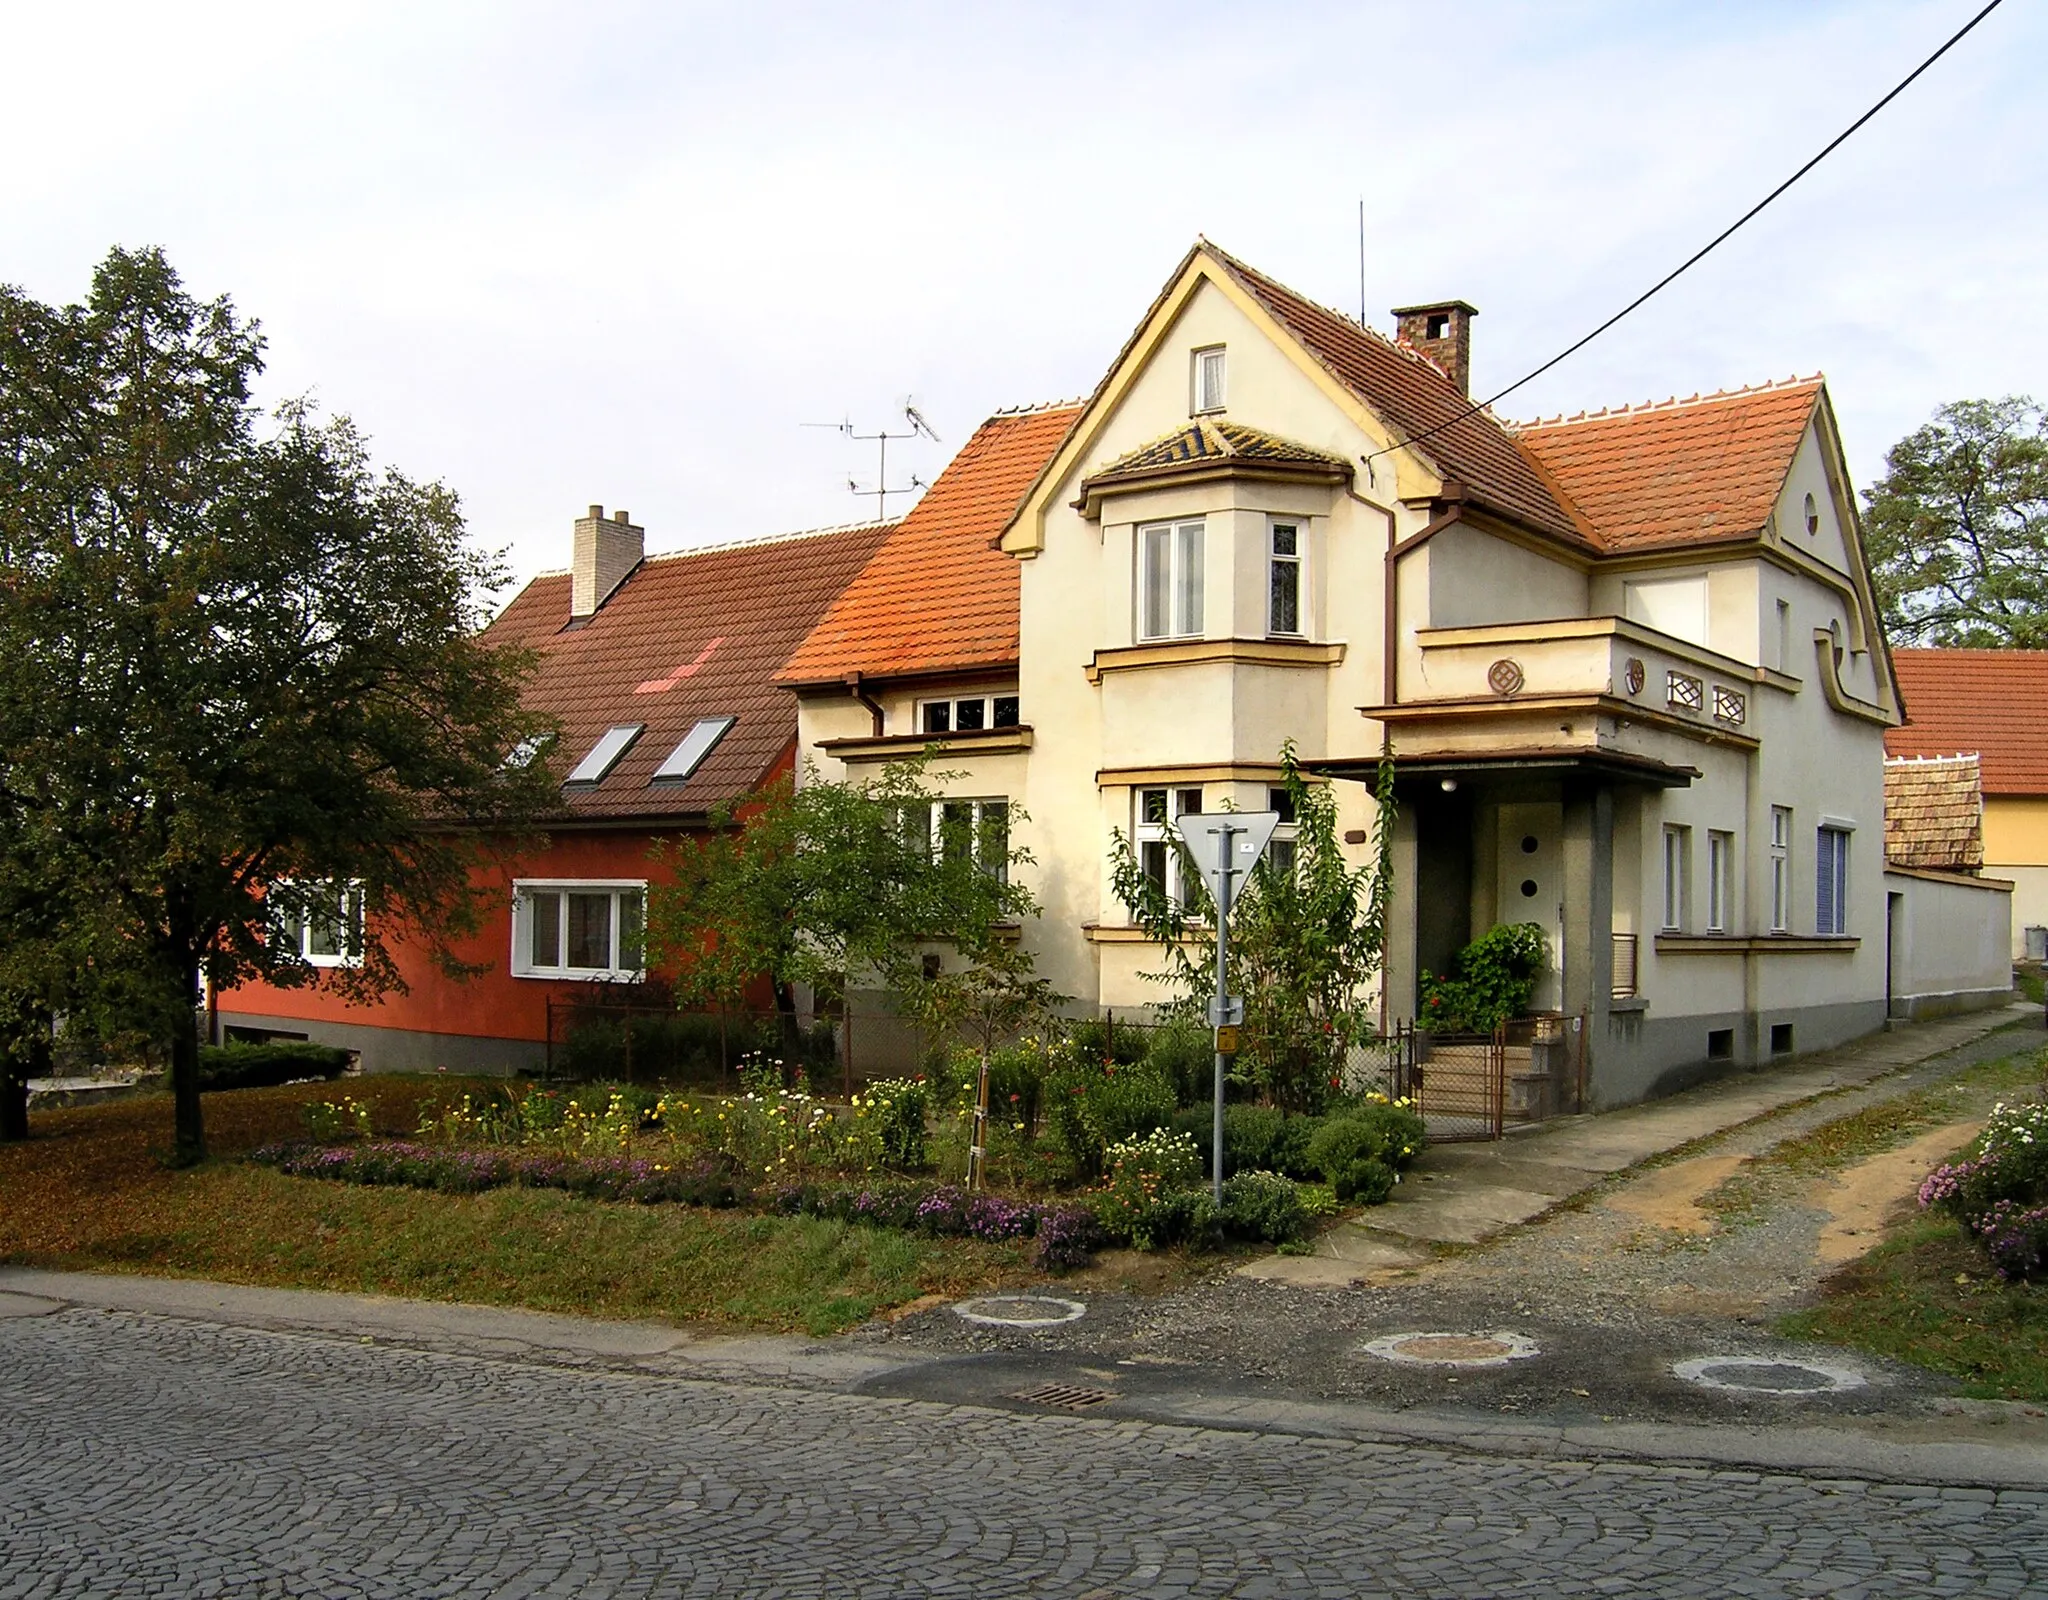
[
  {"x": 1505, "y": 675},
  {"x": 1635, "y": 674}
]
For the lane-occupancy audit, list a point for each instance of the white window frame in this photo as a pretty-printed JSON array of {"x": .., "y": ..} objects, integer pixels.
[
  {"x": 1720, "y": 880},
  {"x": 951, "y": 709},
  {"x": 980, "y": 809},
  {"x": 524, "y": 906},
  {"x": 298, "y": 932},
  {"x": 1158, "y": 839},
  {"x": 1831, "y": 881},
  {"x": 1286, "y": 833},
  {"x": 1204, "y": 399},
  {"x": 1781, "y": 869},
  {"x": 1677, "y": 870},
  {"x": 1185, "y": 546},
  {"x": 1295, "y": 564}
]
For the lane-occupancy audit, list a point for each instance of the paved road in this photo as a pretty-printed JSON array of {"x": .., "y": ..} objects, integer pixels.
[{"x": 150, "y": 1456}]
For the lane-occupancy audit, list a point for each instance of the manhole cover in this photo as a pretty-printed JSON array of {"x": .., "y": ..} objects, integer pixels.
[
  {"x": 1767, "y": 1375},
  {"x": 1067, "y": 1396},
  {"x": 1019, "y": 1310},
  {"x": 1453, "y": 1349}
]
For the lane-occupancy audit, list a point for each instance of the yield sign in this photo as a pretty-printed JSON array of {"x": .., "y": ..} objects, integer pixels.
[{"x": 1202, "y": 832}]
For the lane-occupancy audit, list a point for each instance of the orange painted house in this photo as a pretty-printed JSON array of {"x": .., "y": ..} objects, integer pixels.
[{"x": 661, "y": 671}]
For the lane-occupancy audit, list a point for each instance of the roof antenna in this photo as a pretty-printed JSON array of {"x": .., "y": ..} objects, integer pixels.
[
  {"x": 919, "y": 428},
  {"x": 1361, "y": 261}
]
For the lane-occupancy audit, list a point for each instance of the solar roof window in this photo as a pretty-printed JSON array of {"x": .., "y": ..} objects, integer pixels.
[
  {"x": 605, "y": 754},
  {"x": 698, "y": 743}
]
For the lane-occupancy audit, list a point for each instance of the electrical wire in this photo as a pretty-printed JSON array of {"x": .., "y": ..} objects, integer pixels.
[{"x": 1706, "y": 249}]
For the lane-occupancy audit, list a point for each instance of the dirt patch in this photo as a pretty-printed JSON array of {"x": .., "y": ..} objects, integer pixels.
[
  {"x": 1668, "y": 1197},
  {"x": 1859, "y": 1200}
]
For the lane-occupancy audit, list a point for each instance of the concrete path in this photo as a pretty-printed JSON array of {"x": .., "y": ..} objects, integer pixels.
[{"x": 1462, "y": 1194}]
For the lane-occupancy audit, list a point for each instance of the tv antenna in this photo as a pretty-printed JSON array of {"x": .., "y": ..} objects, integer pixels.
[{"x": 919, "y": 428}]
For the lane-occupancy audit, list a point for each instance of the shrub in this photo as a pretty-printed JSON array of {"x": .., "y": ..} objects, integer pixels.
[
  {"x": 1183, "y": 1052},
  {"x": 1091, "y": 1108},
  {"x": 263, "y": 1066},
  {"x": 895, "y": 1110},
  {"x": 1491, "y": 980},
  {"x": 2000, "y": 1191},
  {"x": 1359, "y": 1152},
  {"x": 1067, "y": 1237},
  {"x": 1150, "y": 1196},
  {"x": 1255, "y": 1138},
  {"x": 1265, "y": 1206}
]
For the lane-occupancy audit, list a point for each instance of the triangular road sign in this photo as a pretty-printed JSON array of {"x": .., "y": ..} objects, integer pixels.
[{"x": 1204, "y": 832}]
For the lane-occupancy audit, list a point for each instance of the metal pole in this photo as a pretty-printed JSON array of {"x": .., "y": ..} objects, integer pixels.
[{"x": 1222, "y": 967}]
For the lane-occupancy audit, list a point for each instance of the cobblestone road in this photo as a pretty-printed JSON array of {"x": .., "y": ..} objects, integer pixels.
[{"x": 141, "y": 1456}]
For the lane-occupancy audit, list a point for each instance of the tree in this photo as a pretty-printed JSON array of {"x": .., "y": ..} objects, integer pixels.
[
  {"x": 1957, "y": 528},
  {"x": 819, "y": 882},
  {"x": 240, "y": 671},
  {"x": 1306, "y": 940}
]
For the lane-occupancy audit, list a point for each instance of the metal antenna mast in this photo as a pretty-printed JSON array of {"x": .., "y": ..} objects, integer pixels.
[{"x": 919, "y": 428}]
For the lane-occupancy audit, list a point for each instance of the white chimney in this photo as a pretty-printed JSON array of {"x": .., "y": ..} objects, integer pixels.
[{"x": 606, "y": 551}]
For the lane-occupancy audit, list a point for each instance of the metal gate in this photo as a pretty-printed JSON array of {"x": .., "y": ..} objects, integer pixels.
[{"x": 1458, "y": 1081}]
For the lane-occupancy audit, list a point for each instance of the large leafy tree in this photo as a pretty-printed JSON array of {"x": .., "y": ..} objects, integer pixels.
[
  {"x": 239, "y": 668},
  {"x": 822, "y": 882},
  {"x": 1957, "y": 528},
  {"x": 1307, "y": 938}
]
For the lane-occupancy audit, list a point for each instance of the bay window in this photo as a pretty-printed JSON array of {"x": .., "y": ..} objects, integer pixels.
[{"x": 1170, "y": 580}]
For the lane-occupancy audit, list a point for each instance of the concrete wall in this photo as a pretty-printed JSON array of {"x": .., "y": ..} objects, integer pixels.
[
  {"x": 1951, "y": 943},
  {"x": 2016, "y": 849}
]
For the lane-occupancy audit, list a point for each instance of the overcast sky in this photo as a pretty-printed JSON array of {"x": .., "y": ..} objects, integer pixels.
[{"x": 555, "y": 254}]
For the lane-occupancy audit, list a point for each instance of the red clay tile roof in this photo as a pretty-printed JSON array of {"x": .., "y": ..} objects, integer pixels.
[
  {"x": 1207, "y": 441},
  {"x": 1681, "y": 472},
  {"x": 1934, "y": 813},
  {"x": 1991, "y": 702},
  {"x": 1414, "y": 396},
  {"x": 938, "y": 596},
  {"x": 687, "y": 636}
]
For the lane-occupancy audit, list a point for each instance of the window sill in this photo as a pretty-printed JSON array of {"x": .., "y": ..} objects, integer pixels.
[
  {"x": 896, "y": 746},
  {"x": 582, "y": 975},
  {"x": 1768, "y": 944},
  {"x": 1628, "y": 1003},
  {"x": 1100, "y": 933},
  {"x": 1274, "y": 652}
]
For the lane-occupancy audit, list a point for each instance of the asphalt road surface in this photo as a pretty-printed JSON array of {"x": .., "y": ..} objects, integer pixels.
[{"x": 150, "y": 1456}]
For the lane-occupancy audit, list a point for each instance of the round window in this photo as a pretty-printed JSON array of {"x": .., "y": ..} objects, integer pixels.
[
  {"x": 1528, "y": 888},
  {"x": 1529, "y": 845}
]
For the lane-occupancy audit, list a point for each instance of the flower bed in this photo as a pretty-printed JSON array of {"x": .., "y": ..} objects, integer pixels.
[{"x": 2000, "y": 1191}]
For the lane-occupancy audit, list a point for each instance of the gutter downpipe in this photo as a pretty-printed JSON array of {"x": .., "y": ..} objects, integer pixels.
[{"x": 855, "y": 686}]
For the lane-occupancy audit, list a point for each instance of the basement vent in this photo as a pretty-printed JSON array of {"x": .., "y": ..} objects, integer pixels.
[
  {"x": 605, "y": 754},
  {"x": 698, "y": 743}
]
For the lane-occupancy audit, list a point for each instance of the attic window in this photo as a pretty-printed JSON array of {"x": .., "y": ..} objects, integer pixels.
[
  {"x": 1208, "y": 379},
  {"x": 605, "y": 754},
  {"x": 1812, "y": 513},
  {"x": 698, "y": 743}
]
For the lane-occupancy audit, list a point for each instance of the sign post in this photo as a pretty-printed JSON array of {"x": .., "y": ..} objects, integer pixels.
[{"x": 1226, "y": 845}]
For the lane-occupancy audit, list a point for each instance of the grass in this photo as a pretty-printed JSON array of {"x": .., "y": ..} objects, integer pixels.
[
  {"x": 1926, "y": 1296},
  {"x": 1846, "y": 1140},
  {"x": 89, "y": 1194}
]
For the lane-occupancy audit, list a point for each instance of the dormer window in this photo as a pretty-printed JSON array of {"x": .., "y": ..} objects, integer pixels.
[
  {"x": 1170, "y": 580},
  {"x": 1208, "y": 380}
]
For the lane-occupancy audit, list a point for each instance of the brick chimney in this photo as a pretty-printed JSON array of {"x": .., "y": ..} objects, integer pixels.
[
  {"x": 1442, "y": 331},
  {"x": 606, "y": 550}
]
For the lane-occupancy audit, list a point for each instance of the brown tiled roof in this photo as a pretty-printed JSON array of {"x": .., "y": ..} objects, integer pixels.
[
  {"x": 1934, "y": 813},
  {"x": 938, "y": 596},
  {"x": 1679, "y": 472},
  {"x": 1414, "y": 396},
  {"x": 688, "y": 636},
  {"x": 1990, "y": 702},
  {"x": 1211, "y": 442}
]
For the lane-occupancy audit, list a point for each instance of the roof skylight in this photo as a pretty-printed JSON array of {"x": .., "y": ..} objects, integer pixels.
[
  {"x": 697, "y": 744},
  {"x": 605, "y": 754}
]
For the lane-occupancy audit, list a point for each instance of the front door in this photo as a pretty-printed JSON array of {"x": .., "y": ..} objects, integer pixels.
[{"x": 1530, "y": 883}]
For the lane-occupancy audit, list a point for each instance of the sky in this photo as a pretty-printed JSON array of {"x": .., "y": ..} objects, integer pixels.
[{"x": 556, "y": 255}]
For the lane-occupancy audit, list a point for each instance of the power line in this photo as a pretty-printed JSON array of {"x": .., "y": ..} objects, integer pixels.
[{"x": 1706, "y": 249}]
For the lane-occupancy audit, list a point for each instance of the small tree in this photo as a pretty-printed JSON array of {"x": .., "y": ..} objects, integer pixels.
[
  {"x": 821, "y": 882},
  {"x": 1307, "y": 938},
  {"x": 1957, "y": 528},
  {"x": 240, "y": 676}
]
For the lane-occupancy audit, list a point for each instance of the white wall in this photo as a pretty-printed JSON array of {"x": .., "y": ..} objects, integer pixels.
[{"x": 1951, "y": 943}]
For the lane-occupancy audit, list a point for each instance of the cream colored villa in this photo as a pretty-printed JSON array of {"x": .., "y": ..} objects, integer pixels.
[{"x": 1627, "y": 664}]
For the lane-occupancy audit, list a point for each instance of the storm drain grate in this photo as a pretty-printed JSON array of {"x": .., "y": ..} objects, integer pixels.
[{"x": 1067, "y": 1396}]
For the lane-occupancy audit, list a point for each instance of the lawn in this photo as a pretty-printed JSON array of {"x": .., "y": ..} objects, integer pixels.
[
  {"x": 87, "y": 1193},
  {"x": 1926, "y": 1296}
]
